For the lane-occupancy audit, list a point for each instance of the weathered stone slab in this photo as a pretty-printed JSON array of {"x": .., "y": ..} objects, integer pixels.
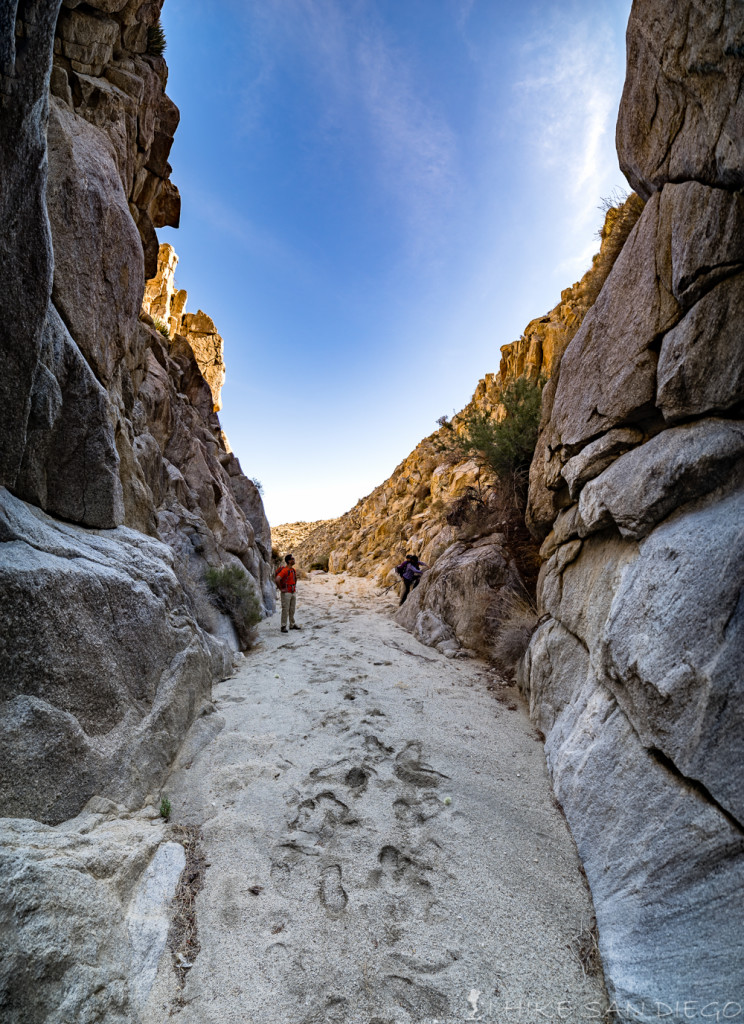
[
  {"x": 647, "y": 483},
  {"x": 701, "y": 363},
  {"x": 25, "y": 246},
  {"x": 149, "y": 917},
  {"x": 64, "y": 892},
  {"x": 682, "y": 110},
  {"x": 705, "y": 232},
  {"x": 672, "y": 646},
  {"x": 608, "y": 372},
  {"x": 664, "y": 864},
  {"x": 597, "y": 456},
  {"x": 688, "y": 239},
  {"x": 99, "y": 700},
  {"x": 98, "y": 266},
  {"x": 70, "y": 463}
]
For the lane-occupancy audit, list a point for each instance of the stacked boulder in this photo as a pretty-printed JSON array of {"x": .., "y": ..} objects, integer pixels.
[{"x": 637, "y": 492}]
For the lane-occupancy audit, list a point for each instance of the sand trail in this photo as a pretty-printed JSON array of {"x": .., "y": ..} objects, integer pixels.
[{"x": 381, "y": 838}]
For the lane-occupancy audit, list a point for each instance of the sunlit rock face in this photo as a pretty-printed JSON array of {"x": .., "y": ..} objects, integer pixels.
[
  {"x": 287, "y": 537},
  {"x": 460, "y": 602},
  {"x": 637, "y": 489},
  {"x": 165, "y": 303},
  {"x": 117, "y": 489}
]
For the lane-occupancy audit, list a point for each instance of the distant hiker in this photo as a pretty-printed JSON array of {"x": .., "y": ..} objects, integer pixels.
[
  {"x": 410, "y": 571},
  {"x": 286, "y": 580}
]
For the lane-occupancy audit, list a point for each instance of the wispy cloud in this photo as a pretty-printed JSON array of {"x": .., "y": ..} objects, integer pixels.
[
  {"x": 227, "y": 220},
  {"x": 416, "y": 146},
  {"x": 369, "y": 95},
  {"x": 463, "y": 10},
  {"x": 567, "y": 100}
]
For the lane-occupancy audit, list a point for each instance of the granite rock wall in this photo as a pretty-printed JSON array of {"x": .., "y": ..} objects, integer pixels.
[
  {"x": 117, "y": 489},
  {"x": 637, "y": 491}
]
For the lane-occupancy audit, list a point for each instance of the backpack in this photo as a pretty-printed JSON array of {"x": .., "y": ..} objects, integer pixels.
[{"x": 400, "y": 569}]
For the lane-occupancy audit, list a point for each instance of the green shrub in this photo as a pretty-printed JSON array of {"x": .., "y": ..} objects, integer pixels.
[
  {"x": 257, "y": 484},
  {"x": 162, "y": 326},
  {"x": 165, "y": 808},
  {"x": 506, "y": 446},
  {"x": 156, "y": 40},
  {"x": 231, "y": 592},
  {"x": 195, "y": 594}
]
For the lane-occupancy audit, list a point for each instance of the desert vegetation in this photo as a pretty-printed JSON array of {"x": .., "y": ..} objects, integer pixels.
[{"x": 230, "y": 591}]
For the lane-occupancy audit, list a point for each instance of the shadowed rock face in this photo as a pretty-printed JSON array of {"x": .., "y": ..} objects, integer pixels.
[
  {"x": 100, "y": 691},
  {"x": 25, "y": 249},
  {"x": 104, "y": 424},
  {"x": 637, "y": 487}
]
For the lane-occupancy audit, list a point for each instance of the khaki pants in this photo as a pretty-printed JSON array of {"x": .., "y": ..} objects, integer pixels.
[{"x": 289, "y": 602}]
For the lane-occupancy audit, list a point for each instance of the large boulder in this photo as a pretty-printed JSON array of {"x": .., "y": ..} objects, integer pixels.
[
  {"x": 670, "y": 650},
  {"x": 102, "y": 666},
  {"x": 643, "y": 486},
  {"x": 85, "y": 909},
  {"x": 70, "y": 462},
  {"x": 99, "y": 267},
  {"x": 25, "y": 247},
  {"x": 682, "y": 111},
  {"x": 664, "y": 862},
  {"x": 458, "y": 598}
]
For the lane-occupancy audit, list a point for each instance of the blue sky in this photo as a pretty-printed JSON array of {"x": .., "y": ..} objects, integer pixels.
[{"x": 377, "y": 195}]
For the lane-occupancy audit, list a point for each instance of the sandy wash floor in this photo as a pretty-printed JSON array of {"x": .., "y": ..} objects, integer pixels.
[{"x": 381, "y": 837}]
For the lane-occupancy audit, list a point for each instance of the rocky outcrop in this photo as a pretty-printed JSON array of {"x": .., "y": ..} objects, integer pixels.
[
  {"x": 107, "y": 70},
  {"x": 449, "y": 509},
  {"x": 681, "y": 116},
  {"x": 117, "y": 487},
  {"x": 85, "y": 910},
  {"x": 288, "y": 536},
  {"x": 637, "y": 488},
  {"x": 166, "y": 305},
  {"x": 99, "y": 704}
]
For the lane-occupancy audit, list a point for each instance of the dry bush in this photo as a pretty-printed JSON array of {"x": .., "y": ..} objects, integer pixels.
[
  {"x": 468, "y": 509},
  {"x": 585, "y": 948},
  {"x": 517, "y": 621},
  {"x": 183, "y": 939},
  {"x": 507, "y": 500},
  {"x": 614, "y": 235}
]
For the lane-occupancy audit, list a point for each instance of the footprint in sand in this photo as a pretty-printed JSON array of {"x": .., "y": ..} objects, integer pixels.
[{"x": 332, "y": 894}]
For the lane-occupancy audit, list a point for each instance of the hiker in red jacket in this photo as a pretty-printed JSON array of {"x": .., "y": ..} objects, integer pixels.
[{"x": 286, "y": 580}]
